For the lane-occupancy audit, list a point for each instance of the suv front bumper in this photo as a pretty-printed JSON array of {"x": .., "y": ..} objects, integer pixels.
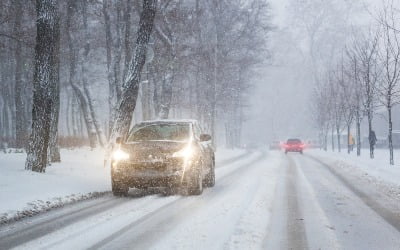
[{"x": 143, "y": 176}]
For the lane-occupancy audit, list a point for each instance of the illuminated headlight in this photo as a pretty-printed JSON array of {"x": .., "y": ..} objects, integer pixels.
[
  {"x": 120, "y": 155},
  {"x": 184, "y": 153}
]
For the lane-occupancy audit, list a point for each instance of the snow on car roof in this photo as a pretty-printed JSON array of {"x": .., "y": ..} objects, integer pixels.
[
  {"x": 144, "y": 124},
  {"x": 293, "y": 139},
  {"x": 167, "y": 121}
]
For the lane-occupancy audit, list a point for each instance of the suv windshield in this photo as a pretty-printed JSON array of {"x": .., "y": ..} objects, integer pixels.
[{"x": 157, "y": 132}]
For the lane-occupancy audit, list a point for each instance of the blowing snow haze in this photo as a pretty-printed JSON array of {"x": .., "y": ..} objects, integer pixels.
[
  {"x": 200, "y": 124},
  {"x": 309, "y": 39},
  {"x": 248, "y": 70}
]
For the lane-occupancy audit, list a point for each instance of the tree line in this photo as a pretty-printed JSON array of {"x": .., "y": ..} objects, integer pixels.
[
  {"x": 364, "y": 80},
  {"x": 73, "y": 69}
]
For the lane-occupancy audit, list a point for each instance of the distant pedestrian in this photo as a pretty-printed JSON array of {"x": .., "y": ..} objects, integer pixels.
[
  {"x": 372, "y": 141},
  {"x": 351, "y": 142}
]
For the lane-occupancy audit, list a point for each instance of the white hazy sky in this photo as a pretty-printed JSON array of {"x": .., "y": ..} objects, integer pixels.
[{"x": 280, "y": 106}]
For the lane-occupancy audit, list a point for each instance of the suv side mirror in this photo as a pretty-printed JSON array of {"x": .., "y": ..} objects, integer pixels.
[
  {"x": 118, "y": 140},
  {"x": 205, "y": 137}
]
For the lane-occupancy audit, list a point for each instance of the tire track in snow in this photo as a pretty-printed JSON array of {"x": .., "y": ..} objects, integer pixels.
[
  {"x": 297, "y": 238},
  {"x": 276, "y": 230},
  {"x": 249, "y": 230},
  {"x": 155, "y": 224},
  {"x": 120, "y": 213},
  {"x": 316, "y": 221},
  {"x": 14, "y": 238}
]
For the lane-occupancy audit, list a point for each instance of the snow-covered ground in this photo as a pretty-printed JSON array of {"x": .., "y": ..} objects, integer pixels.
[
  {"x": 237, "y": 194},
  {"x": 376, "y": 170},
  {"x": 80, "y": 175},
  {"x": 261, "y": 200}
]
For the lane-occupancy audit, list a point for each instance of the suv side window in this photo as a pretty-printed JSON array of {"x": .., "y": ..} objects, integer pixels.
[{"x": 196, "y": 130}]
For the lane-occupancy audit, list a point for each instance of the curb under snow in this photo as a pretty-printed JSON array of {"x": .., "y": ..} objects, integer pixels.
[{"x": 39, "y": 206}]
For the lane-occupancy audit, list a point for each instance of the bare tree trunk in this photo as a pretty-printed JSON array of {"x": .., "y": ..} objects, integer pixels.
[
  {"x": 6, "y": 120},
  {"x": 1, "y": 118},
  {"x": 166, "y": 96},
  {"x": 128, "y": 49},
  {"x": 2, "y": 108},
  {"x": 93, "y": 114},
  {"x": 46, "y": 57},
  {"x": 214, "y": 95},
  {"x": 95, "y": 126},
  {"x": 67, "y": 115},
  {"x": 333, "y": 139},
  {"x": 338, "y": 138},
  {"x": 74, "y": 112},
  {"x": 6, "y": 126},
  {"x": 73, "y": 52},
  {"x": 239, "y": 110},
  {"x": 91, "y": 130},
  {"x": 131, "y": 87},
  {"x": 169, "y": 74},
  {"x": 20, "y": 118},
  {"x": 145, "y": 99},
  {"x": 54, "y": 150},
  {"x": 390, "y": 137},
  {"x": 156, "y": 97},
  {"x": 109, "y": 44},
  {"x": 216, "y": 16},
  {"x": 199, "y": 109},
  {"x": 118, "y": 53},
  {"x": 348, "y": 139},
  {"x": 371, "y": 146},
  {"x": 358, "y": 128}
]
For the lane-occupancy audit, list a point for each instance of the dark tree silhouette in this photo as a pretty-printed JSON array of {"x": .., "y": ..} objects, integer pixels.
[
  {"x": 131, "y": 84},
  {"x": 44, "y": 82}
]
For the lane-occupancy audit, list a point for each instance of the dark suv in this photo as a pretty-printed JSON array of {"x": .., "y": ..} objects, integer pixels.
[
  {"x": 294, "y": 145},
  {"x": 165, "y": 153}
]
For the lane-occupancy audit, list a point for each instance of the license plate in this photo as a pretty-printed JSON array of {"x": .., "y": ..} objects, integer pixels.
[{"x": 146, "y": 173}]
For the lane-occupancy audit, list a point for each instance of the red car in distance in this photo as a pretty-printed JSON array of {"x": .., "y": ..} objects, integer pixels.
[{"x": 294, "y": 145}]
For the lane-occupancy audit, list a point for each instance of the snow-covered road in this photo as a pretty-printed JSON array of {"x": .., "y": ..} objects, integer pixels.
[{"x": 264, "y": 200}]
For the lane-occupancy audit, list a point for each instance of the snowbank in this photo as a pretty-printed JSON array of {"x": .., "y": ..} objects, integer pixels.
[
  {"x": 81, "y": 175},
  {"x": 377, "y": 169}
]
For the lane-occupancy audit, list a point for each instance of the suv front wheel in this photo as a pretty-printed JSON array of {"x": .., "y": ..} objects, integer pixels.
[
  {"x": 118, "y": 188},
  {"x": 196, "y": 185},
  {"x": 209, "y": 180}
]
